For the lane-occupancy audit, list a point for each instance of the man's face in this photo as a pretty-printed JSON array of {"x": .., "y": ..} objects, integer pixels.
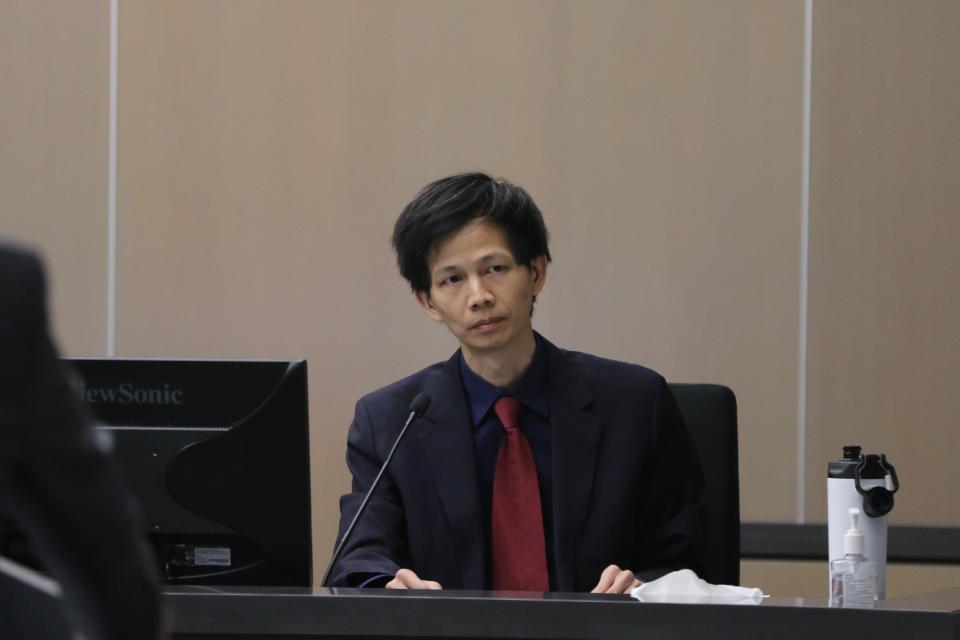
[{"x": 479, "y": 291}]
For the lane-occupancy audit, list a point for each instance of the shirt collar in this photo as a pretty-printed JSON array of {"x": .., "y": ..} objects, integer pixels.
[{"x": 532, "y": 389}]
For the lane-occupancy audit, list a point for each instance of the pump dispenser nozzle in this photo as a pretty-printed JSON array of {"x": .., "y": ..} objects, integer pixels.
[{"x": 853, "y": 539}]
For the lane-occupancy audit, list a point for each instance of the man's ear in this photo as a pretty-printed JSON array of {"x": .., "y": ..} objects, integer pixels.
[
  {"x": 538, "y": 273},
  {"x": 423, "y": 297}
]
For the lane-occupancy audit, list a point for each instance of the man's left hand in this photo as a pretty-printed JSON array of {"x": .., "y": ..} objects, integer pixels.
[{"x": 616, "y": 580}]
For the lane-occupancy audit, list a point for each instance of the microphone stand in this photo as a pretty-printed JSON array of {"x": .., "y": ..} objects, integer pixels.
[{"x": 417, "y": 409}]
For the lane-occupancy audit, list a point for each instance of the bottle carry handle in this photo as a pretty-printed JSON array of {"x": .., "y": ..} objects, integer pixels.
[{"x": 877, "y": 501}]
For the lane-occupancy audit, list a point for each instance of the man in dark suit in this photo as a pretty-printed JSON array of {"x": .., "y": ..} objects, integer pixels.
[
  {"x": 57, "y": 484},
  {"x": 534, "y": 468}
]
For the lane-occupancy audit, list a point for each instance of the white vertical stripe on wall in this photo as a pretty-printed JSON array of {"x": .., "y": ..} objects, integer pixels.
[
  {"x": 112, "y": 189},
  {"x": 804, "y": 262}
]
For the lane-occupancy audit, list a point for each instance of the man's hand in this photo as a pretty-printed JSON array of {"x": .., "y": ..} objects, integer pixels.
[
  {"x": 406, "y": 579},
  {"x": 615, "y": 580}
]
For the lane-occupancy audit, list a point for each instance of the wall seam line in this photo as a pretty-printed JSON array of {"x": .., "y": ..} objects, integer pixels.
[
  {"x": 804, "y": 262},
  {"x": 112, "y": 187}
]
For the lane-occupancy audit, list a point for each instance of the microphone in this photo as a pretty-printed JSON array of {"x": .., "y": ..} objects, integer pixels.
[{"x": 417, "y": 408}]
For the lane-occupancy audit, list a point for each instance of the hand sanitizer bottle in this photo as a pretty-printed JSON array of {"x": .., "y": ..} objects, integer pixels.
[{"x": 853, "y": 578}]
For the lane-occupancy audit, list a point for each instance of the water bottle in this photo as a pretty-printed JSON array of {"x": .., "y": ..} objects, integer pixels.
[{"x": 866, "y": 482}]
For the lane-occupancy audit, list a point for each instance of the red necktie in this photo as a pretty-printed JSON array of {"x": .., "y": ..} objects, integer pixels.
[{"x": 518, "y": 547}]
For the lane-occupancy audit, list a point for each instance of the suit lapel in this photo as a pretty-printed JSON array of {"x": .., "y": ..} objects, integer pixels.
[
  {"x": 446, "y": 438},
  {"x": 575, "y": 435}
]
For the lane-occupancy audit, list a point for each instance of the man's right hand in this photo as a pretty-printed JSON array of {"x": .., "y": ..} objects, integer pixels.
[{"x": 406, "y": 579}]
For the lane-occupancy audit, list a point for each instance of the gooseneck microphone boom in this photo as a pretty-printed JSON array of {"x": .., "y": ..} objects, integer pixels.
[{"x": 417, "y": 408}]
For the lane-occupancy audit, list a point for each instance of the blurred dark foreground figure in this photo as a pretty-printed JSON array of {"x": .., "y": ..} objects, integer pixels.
[{"x": 57, "y": 484}]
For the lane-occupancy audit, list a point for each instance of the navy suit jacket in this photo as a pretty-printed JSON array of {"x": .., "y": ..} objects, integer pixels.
[{"x": 628, "y": 489}]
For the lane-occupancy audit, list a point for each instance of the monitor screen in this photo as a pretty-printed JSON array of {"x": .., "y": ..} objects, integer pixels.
[{"x": 217, "y": 454}]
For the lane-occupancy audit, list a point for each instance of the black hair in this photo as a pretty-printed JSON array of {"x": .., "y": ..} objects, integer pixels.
[{"x": 445, "y": 206}]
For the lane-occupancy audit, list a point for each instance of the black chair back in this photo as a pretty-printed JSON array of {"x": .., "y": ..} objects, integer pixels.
[{"x": 710, "y": 411}]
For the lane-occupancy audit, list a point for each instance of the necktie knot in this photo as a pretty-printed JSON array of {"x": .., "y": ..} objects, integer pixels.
[{"x": 507, "y": 409}]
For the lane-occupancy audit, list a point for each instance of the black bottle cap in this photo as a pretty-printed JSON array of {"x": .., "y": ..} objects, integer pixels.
[
  {"x": 845, "y": 467},
  {"x": 851, "y": 452}
]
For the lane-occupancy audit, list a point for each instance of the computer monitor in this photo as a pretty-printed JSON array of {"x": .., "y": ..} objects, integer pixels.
[{"x": 217, "y": 454}]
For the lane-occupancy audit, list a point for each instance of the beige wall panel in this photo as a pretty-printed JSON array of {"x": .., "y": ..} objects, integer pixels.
[
  {"x": 789, "y": 579},
  {"x": 266, "y": 149},
  {"x": 54, "y": 75},
  {"x": 884, "y": 309},
  {"x": 675, "y": 200}
]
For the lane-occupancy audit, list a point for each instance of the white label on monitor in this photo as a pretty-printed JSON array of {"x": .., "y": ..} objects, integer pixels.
[{"x": 211, "y": 556}]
